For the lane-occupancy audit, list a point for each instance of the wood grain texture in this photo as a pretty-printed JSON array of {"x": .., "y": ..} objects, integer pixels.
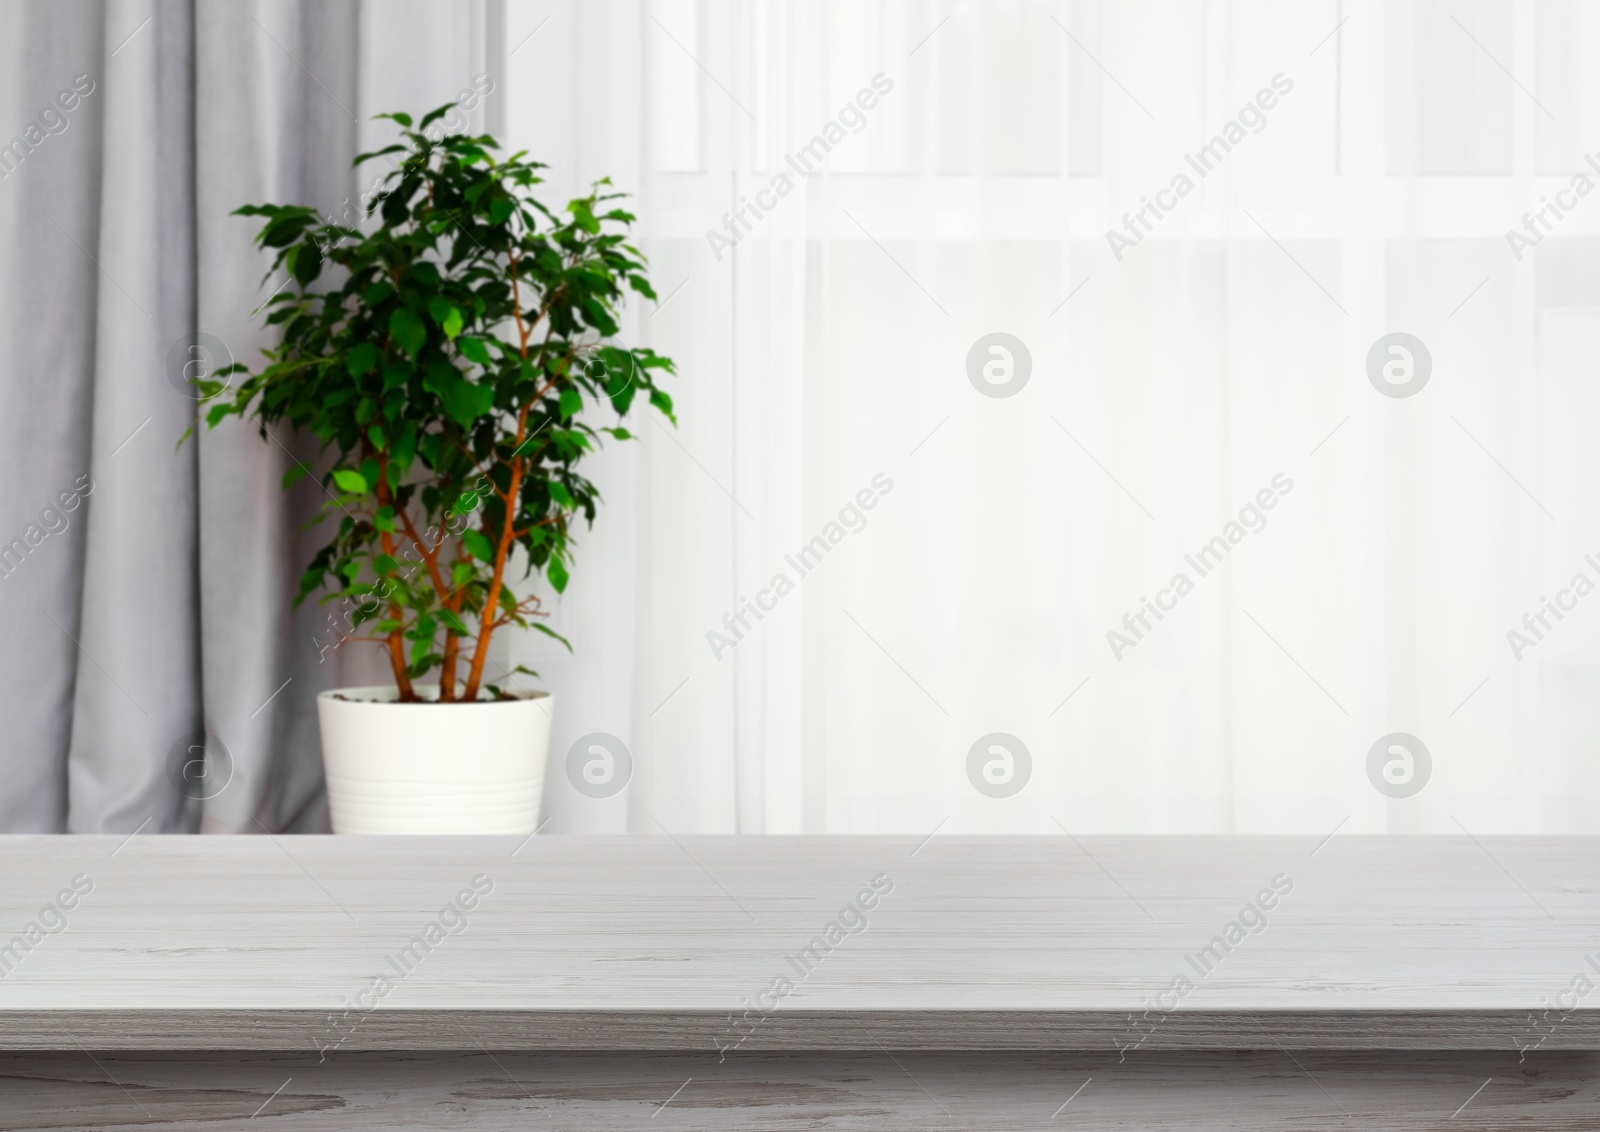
[
  {"x": 656, "y": 943},
  {"x": 663, "y": 1092}
]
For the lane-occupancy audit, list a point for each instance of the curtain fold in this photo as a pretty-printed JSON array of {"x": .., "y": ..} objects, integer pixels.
[
  {"x": 49, "y": 196},
  {"x": 139, "y": 621}
]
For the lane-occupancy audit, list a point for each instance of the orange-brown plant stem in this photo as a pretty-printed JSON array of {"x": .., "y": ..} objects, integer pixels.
[
  {"x": 452, "y": 642},
  {"x": 397, "y": 643},
  {"x": 491, "y": 602},
  {"x": 447, "y": 667},
  {"x": 430, "y": 555}
]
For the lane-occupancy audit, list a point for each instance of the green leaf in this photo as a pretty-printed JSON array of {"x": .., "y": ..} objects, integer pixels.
[
  {"x": 362, "y": 357},
  {"x": 308, "y": 265},
  {"x": 454, "y": 623},
  {"x": 549, "y": 632},
  {"x": 477, "y": 545},
  {"x": 433, "y": 116},
  {"x": 467, "y": 401},
  {"x": 571, "y": 402},
  {"x": 474, "y": 350},
  {"x": 621, "y": 391},
  {"x": 363, "y": 157},
  {"x": 408, "y": 330},
  {"x": 440, "y": 377},
  {"x": 405, "y": 444},
  {"x": 383, "y": 519},
  {"x": 385, "y": 564},
  {"x": 353, "y": 482},
  {"x": 446, "y": 316},
  {"x": 557, "y": 573},
  {"x": 379, "y": 439},
  {"x": 396, "y": 372},
  {"x": 294, "y": 475},
  {"x": 560, "y": 494},
  {"x": 425, "y": 665},
  {"x": 584, "y": 217},
  {"x": 282, "y": 233}
]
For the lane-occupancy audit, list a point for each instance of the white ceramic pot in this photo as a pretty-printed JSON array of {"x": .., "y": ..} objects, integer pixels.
[{"x": 432, "y": 767}]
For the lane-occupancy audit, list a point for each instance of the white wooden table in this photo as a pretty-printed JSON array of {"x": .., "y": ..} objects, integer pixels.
[{"x": 862, "y": 982}]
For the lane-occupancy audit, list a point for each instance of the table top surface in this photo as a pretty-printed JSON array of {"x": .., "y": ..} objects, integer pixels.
[{"x": 122, "y": 935}]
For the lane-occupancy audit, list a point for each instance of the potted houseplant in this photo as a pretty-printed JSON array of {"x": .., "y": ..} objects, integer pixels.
[{"x": 451, "y": 368}]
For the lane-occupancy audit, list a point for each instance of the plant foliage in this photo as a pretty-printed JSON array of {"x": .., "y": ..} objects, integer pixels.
[{"x": 453, "y": 367}]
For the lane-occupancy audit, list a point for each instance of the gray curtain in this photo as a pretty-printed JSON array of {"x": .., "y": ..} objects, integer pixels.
[{"x": 153, "y": 676}]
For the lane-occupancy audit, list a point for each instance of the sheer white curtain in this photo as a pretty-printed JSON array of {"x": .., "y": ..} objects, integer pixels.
[{"x": 1203, "y": 377}]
